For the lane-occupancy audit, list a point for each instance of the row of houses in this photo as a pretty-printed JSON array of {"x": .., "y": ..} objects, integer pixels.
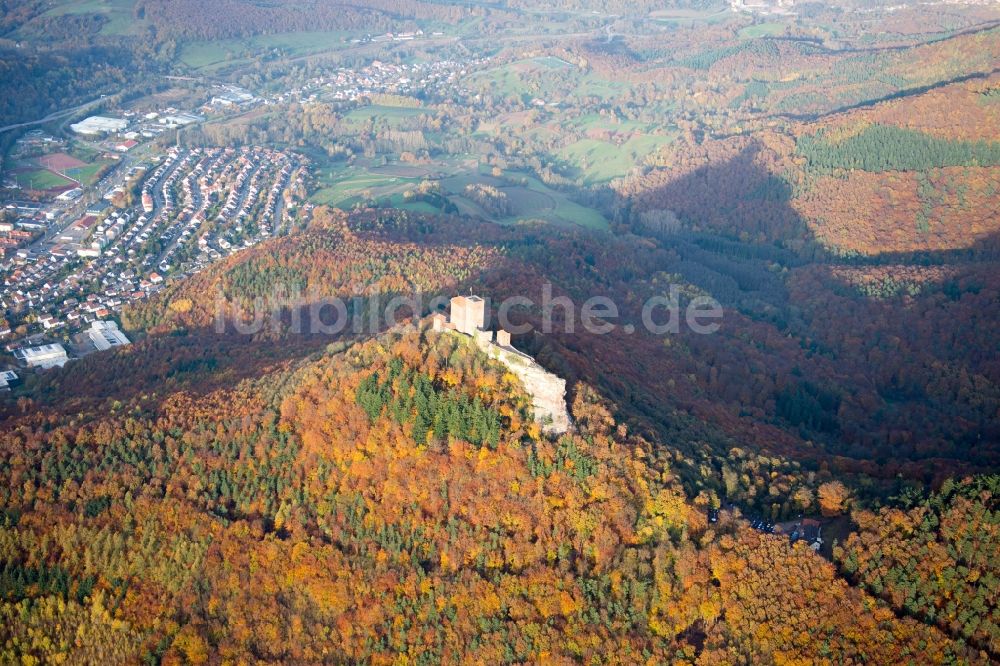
[{"x": 110, "y": 257}]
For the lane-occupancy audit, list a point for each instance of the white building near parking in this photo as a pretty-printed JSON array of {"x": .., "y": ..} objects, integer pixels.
[
  {"x": 99, "y": 125},
  {"x": 46, "y": 356},
  {"x": 181, "y": 119},
  {"x": 7, "y": 377},
  {"x": 105, "y": 335},
  {"x": 70, "y": 195}
]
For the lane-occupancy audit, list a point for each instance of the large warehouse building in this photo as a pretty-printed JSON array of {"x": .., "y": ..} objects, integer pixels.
[
  {"x": 105, "y": 335},
  {"x": 46, "y": 356},
  {"x": 99, "y": 125}
]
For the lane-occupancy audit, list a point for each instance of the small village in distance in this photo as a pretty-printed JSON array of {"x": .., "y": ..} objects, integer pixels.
[{"x": 110, "y": 206}]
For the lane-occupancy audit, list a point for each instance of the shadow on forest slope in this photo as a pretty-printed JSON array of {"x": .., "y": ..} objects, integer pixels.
[{"x": 777, "y": 377}]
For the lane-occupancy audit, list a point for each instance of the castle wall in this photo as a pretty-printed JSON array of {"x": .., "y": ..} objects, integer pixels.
[{"x": 547, "y": 390}]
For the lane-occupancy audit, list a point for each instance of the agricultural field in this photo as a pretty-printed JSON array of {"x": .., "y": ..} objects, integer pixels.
[
  {"x": 343, "y": 186},
  {"x": 119, "y": 15},
  {"x": 208, "y": 55}
]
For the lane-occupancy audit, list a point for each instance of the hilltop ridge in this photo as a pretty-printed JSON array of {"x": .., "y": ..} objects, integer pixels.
[{"x": 399, "y": 497}]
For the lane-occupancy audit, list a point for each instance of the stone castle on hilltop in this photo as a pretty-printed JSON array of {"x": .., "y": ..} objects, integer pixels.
[{"x": 547, "y": 390}]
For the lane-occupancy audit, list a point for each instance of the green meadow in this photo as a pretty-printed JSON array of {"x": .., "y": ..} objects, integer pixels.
[{"x": 214, "y": 54}]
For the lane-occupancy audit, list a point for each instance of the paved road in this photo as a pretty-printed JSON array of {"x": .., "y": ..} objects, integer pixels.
[{"x": 56, "y": 115}]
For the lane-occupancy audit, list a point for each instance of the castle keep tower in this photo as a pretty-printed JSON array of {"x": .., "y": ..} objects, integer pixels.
[{"x": 468, "y": 314}]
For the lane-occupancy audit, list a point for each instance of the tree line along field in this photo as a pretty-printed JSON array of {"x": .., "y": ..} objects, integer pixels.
[{"x": 205, "y": 56}]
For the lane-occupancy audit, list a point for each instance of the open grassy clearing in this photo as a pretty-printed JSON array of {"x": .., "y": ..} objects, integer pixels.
[
  {"x": 208, "y": 54},
  {"x": 397, "y": 200},
  {"x": 83, "y": 152},
  {"x": 529, "y": 77},
  {"x": 404, "y": 170},
  {"x": 343, "y": 186},
  {"x": 762, "y": 30},
  {"x": 204, "y": 54},
  {"x": 597, "y": 121},
  {"x": 601, "y": 161},
  {"x": 591, "y": 85},
  {"x": 118, "y": 12},
  {"x": 530, "y": 199},
  {"x": 301, "y": 43},
  {"x": 502, "y": 81},
  {"x": 564, "y": 210},
  {"x": 721, "y": 9},
  {"x": 552, "y": 62}
]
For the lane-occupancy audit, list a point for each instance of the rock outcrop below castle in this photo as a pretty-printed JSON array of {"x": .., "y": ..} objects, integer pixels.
[{"x": 547, "y": 390}]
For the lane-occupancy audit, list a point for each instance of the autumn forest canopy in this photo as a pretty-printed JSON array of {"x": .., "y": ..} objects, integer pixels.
[{"x": 814, "y": 481}]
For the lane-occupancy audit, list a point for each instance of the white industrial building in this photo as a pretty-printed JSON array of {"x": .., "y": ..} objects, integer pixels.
[
  {"x": 99, "y": 125},
  {"x": 46, "y": 356},
  {"x": 7, "y": 377},
  {"x": 181, "y": 119},
  {"x": 232, "y": 97},
  {"x": 105, "y": 335}
]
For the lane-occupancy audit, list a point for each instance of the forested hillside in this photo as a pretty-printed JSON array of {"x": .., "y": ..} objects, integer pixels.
[
  {"x": 187, "y": 19},
  {"x": 302, "y": 516},
  {"x": 935, "y": 558},
  {"x": 328, "y": 260},
  {"x": 271, "y": 471},
  {"x": 895, "y": 179},
  {"x": 400, "y": 496}
]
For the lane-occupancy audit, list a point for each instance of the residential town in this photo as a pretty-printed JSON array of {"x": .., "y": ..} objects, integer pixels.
[
  {"x": 101, "y": 214},
  {"x": 436, "y": 78},
  {"x": 190, "y": 208}
]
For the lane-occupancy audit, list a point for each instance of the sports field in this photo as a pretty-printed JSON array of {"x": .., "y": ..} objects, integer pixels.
[
  {"x": 42, "y": 180},
  {"x": 60, "y": 162}
]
